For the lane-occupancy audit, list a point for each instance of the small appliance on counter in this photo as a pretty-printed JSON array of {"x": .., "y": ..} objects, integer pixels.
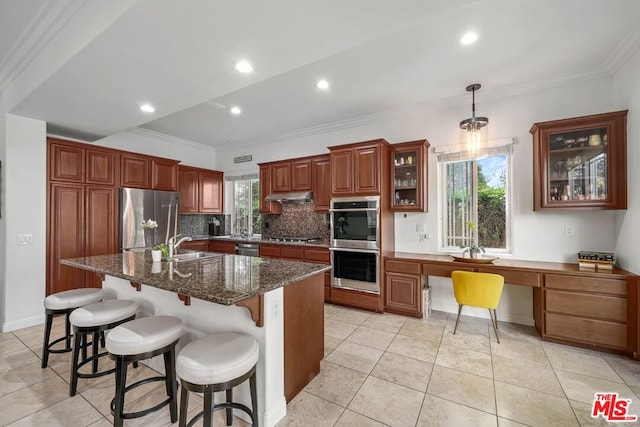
[
  {"x": 214, "y": 227},
  {"x": 596, "y": 260}
]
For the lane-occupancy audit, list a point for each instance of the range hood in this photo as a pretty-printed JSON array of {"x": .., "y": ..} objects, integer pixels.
[{"x": 300, "y": 196}]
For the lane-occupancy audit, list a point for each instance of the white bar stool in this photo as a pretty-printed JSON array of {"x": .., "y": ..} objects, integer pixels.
[
  {"x": 142, "y": 339},
  {"x": 64, "y": 303},
  {"x": 214, "y": 363},
  {"x": 95, "y": 319}
]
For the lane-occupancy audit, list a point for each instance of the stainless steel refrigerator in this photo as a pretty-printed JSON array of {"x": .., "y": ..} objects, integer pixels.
[{"x": 137, "y": 206}]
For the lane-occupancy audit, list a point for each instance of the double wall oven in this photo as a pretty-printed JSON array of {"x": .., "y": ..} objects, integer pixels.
[{"x": 355, "y": 243}]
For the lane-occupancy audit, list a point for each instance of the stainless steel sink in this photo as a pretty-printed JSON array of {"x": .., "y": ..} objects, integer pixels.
[{"x": 194, "y": 256}]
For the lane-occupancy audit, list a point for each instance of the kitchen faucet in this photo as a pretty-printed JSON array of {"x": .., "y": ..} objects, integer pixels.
[{"x": 173, "y": 245}]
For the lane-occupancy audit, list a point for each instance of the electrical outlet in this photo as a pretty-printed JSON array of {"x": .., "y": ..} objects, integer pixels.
[
  {"x": 423, "y": 237},
  {"x": 419, "y": 228},
  {"x": 25, "y": 239},
  {"x": 568, "y": 230},
  {"x": 275, "y": 309}
]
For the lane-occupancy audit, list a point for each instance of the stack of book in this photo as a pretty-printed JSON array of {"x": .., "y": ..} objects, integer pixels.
[{"x": 599, "y": 260}]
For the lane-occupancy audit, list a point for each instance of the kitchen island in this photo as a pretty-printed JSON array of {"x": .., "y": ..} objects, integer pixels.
[{"x": 279, "y": 302}]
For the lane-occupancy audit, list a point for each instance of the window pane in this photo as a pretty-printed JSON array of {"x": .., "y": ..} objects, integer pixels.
[
  {"x": 245, "y": 214},
  {"x": 492, "y": 202},
  {"x": 459, "y": 205}
]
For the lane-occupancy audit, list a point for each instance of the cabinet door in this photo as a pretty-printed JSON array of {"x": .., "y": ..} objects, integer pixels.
[
  {"x": 101, "y": 167},
  {"x": 342, "y": 172},
  {"x": 301, "y": 175},
  {"x": 66, "y": 163},
  {"x": 210, "y": 196},
  {"x": 66, "y": 237},
  {"x": 402, "y": 294},
  {"x": 269, "y": 251},
  {"x": 265, "y": 190},
  {"x": 188, "y": 187},
  {"x": 322, "y": 184},
  {"x": 134, "y": 171},
  {"x": 101, "y": 226},
  {"x": 281, "y": 173},
  {"x": 164, "y": 174},
  {"x": 367, "y": 163},
  {"x": 198, "y": 245},
  {"x": 409, "y": 174},
  {"x": 222, "y": 247}
]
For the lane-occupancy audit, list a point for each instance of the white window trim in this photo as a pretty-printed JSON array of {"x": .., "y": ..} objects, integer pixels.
[{"x": 450, "y": 154}]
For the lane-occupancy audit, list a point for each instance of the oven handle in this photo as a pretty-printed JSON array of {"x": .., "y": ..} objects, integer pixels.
[
  {"x": 376, "y": 210},
  {"x": 366, "y": 251}
]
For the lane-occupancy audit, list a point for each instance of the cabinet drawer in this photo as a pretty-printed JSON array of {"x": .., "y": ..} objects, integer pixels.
[
  {"x": 441, "y": 270},
  {"x": 223, "y": 247},
  {"x": 270, "y": 251},
  {"x": 291, "y": 253},
  {"x": 406, "y": 267},
  {"x": 527, "y": 278},
  {"x": 590, "y": 331},
  {"x": 595, "y": 306},
  {"x": 588, "y": 284},
  {"x": 317, "y": 255}
]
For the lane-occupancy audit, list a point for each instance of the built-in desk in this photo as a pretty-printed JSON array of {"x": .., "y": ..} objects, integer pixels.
[{"x": 581, "y": 307}]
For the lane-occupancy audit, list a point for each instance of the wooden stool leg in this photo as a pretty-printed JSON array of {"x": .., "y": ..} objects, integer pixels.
[
  {"x": 184, "y": 406},
  {"x": 45, "y": 341},
  {"x": 229, "y": 411},
  {"x": 208, "y": 406},
  {"x": 170, "y": 382},
  {"x": 77, "y": 342},
  {"x": 254, "y": 399},
  {"x": 121, "y": 383}
]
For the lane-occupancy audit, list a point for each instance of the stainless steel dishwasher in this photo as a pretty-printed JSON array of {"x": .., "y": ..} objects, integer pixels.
[{"x": 249, "y": 249}]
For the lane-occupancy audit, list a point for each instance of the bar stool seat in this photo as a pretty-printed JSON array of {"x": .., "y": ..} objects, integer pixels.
[
  {"x": 64, "y": 303},
  {"x": 94, "y": 319},
  {"x": 142, "y": 339},
  {"x": 214, "y": 363}
]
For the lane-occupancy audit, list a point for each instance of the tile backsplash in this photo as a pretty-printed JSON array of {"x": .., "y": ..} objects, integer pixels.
[
  {"x": 197, "y": 225},
  {"x": 297, "y": 219}
]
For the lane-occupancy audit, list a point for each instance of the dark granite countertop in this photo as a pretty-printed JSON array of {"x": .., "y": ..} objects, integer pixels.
[
  {"x": 223, "y": 279},
  {"x": 261, "y": 240}
]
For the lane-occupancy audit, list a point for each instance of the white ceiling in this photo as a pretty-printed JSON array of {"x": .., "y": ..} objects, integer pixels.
[{"x": 378, "y": 55}]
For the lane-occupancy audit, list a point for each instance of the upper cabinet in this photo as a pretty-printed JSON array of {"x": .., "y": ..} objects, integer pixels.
[
  {"x": 409, "y": 166},
  {"x": 164, "y": 174},
  {"x": 301, "y": 175},
  {"x": 201, "y": 190},
  {"x": 134, "y": 170},
  {"x": 81, "y": 163},
  {"x": 359, "y": 169},
  {"x": 266, "y": 207},
  {"x": 321, "y": 172},
  {"x": 581, "y": 163}
]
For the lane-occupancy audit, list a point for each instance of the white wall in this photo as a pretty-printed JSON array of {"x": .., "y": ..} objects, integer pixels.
[
  {"x": 24, "y": 171},
  {"x": 626, "y": 95}
]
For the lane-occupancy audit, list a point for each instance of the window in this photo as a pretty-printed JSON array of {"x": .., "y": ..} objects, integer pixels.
[
  {"x": 245, "y": 215},
  {"x": 475, "y": 190}
]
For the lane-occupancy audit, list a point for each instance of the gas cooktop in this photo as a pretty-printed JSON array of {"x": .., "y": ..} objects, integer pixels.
[{"x": 299, "y": 239}]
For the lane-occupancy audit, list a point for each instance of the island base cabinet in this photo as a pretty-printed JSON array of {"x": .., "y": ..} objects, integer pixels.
[{"x": 303, "y": 333}]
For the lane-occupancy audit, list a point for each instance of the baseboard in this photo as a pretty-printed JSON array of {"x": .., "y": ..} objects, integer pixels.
[
  {"x": 483, "y": 313},
  {"x": 22, "y": 323},
  {"x": 277, "y": 413}
]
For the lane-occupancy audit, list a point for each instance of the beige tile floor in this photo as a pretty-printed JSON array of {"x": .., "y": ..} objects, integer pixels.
[{"x": 379, "y": 370}]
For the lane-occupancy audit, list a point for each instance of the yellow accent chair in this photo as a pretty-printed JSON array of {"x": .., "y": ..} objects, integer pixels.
[{"x": 478, "y": 290}]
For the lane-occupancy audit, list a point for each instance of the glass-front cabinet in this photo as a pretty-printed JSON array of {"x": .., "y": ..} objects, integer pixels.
[
  {"x": 409, "y": 174},
  {"x": 581, "y": 163}
]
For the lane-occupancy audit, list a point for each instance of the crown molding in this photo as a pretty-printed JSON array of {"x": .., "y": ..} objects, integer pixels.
[
  {"x": 624, "y": 51},
  {"x": 168, "y": 138},
  {"x": 51, "y": 17}
]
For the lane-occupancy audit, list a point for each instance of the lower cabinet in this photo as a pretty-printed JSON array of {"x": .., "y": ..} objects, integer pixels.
[
  {"x": 403, "y": 294},
  {"x": 222, "y": 247},
  {"x": 196, "y": 245}
]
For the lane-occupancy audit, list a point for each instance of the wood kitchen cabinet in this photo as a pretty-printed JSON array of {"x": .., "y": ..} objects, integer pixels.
[
  {"x": 196, "y": 245},
  {"x": 291, "y": 175},
  {"x": 281, "y": 176},
  {"x": 224, "y": 247},
  {"x": 135, "y": 171},
  {"x": 201, "y": 190},
  {"x": 321, "y": 172},
  {"x": 164, "y": 174},
  {"x": 580, "y": 163},
  {"x": 266, "y": 207},
  {"x": 359, "y": 169},
  {"x": 409, "y": 168},
  {"x": 301, "y": 174},
  {"x": 403, "y": 288}
]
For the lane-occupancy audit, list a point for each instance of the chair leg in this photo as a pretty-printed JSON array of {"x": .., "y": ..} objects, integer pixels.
[
  {"x": 67, "y": 330},
  {"x": 208, "y": 406},
  {"x": 229, "y": 411},
  {"x": 94, "y": 343},
  {"x": 84, "y": 347},
  {"x": 494, "y": 323},
  {"x": 102, "y": 343},
  {"x": 184, "y": 406},
  {"x": 170, "y": 382},
  {"x": 45, "y": 341},
  {"x": 457, "y": 319},
  {"x": 121, "y": 380},
  {"x": 77, "y": 343},
  {"x": 254, "y": 399}
]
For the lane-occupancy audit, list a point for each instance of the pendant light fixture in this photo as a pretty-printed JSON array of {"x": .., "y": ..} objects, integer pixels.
[{"x": 473, "y": 126}]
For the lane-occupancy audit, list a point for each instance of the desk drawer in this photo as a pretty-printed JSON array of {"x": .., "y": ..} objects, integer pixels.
[
  {"x": 590, "y": 331},
  {"x": 586, "y": 284},
  {"x": 406, "y": 267},
  {"x": 442, "y": 270},
  {"x": 526, "y": 278},
  {"x": 587, "y": 305}
]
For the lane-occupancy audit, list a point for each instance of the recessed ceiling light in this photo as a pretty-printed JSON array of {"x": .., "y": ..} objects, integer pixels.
[
  {"x": 235, "y": 110},
  {"x": 148, "y": 108},
  {"x": 468, "y": 38},
  {"x": 322, "y": 84},
  {"x": 244, "y": 66}
]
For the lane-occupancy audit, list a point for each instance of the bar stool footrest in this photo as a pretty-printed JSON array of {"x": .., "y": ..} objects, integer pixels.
[
  {"x": 223, "y": 405},
  {"x": 138, "y": 414},
  {"x": 94, "y": 374}
]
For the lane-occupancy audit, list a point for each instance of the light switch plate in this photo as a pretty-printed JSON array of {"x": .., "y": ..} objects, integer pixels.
[{"x": 25, "y": 239}]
